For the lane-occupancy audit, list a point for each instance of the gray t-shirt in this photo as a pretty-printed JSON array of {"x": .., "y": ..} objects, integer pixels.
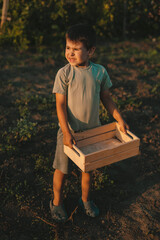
[{"x": 82, "y": 87}]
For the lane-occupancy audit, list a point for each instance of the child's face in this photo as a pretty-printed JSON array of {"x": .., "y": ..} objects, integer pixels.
[{"x": 77, "y": 54}]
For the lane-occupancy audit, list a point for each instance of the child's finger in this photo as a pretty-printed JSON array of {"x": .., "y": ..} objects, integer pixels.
[
  {"x": 123, "y": 128},
  {"x": 74, "y": 141},
  {"x": 70, "y": 144}
]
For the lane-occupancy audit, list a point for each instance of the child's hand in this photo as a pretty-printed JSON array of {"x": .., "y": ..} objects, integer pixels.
[
  {"x": 123, "y": 126},
  {"x": 68, "y": 140}
]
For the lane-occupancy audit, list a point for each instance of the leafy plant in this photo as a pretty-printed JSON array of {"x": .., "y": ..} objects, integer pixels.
[
  {"x": 156, "y": 89},
  {"x": 38, "y": 23},
  {"x": 101, "y": 179},
  {"x": 130, "y": 102},
  {"x": 103, "y": 114},
  {"x": 42, "y": 163},
  {"x": 23, "y": 131}
]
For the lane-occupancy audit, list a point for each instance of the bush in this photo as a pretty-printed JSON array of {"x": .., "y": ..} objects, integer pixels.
[{"x": 38, "y": 22}]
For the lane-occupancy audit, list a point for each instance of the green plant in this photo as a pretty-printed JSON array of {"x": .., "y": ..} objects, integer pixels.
[
  {"x": 156, "y": 89},
  {"x": 38, "y": 23},
  {"x": 22, "y": 132},
  {"x": 128, "y": 102},
  {"x": 42, "y": 163},
  {"x": 30, "y": 102},
  {"x": 103, "y": 114},
  {"x": 101, "y": 179}
]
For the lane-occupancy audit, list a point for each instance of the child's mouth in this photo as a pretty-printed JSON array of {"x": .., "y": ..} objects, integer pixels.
[{"x": 71, "y": 60}]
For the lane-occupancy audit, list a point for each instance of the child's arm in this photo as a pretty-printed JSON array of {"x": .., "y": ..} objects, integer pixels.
[
  {"x": 111, "y": 107},
  {"x": 62, "y": 117}
]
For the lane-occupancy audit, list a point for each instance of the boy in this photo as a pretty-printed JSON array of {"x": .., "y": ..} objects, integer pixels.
[{"x": 79, "y": 86}]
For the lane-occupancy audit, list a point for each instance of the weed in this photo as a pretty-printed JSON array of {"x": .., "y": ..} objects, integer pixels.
[
  {"x": 41, "y": 163},
  {"x": 103, "y": 114},
  {"x": 156, "y": 89},
  {"x": 23, "y": 131},
  {"x": 7, "y": 148},
  {"x": 101, "y": 179},
  {"x": 130, "y": 102}
]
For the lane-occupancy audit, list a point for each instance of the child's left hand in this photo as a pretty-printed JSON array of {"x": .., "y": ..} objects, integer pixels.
[{"x": 123, "y": 126}]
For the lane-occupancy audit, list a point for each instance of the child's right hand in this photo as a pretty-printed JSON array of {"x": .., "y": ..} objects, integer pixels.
[{"x": 68, "y": 140}]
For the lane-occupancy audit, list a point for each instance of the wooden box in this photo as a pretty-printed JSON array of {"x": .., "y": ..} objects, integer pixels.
[{"x": 102, "y": 146}]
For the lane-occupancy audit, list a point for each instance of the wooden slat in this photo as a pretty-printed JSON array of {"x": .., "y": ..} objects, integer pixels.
[
  {"x": 112, "y": 151},
  {"x": 95, "y": 139},
  {"x": 95, "y": 131},
  {"x": 111, "y": 159}
]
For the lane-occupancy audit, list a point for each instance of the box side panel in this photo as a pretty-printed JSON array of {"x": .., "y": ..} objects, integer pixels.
[
  {"x": 112, "y": 151},
  {"x": 96, "y": 138},
  {"x": 111, "y": 159},
  {"x": 125, "y": 137},
  {"x": 95, "y": 131},
  {"x": 133, "y": 136},
  {"x": 77, "y": 158}
]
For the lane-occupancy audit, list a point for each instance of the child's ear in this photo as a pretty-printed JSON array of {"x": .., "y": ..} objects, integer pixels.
[{"x": 91, "y": 51}]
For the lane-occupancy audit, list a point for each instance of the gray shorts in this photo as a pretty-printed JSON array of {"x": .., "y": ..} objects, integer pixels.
[{"x": 61, "y": 161}]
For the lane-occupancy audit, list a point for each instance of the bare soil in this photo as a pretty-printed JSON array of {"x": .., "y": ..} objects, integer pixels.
[{"x": 129, "y": 201}]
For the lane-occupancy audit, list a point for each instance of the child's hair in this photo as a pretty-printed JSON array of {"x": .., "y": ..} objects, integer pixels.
[{"x": 82, "y": 33}]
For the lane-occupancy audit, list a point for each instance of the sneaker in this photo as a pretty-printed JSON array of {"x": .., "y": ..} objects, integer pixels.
[
  {"x": 58, "y": 212},
  {"x": 89, "y": 208}
]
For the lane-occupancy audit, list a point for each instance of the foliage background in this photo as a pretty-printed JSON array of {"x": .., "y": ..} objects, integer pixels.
[{"x": 33, "y": 23}]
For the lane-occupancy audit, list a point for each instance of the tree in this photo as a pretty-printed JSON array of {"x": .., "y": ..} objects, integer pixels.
[{"x": 4, "y": 11}]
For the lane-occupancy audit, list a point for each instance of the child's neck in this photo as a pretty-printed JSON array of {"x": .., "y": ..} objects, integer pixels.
[{"x": 84, "y": 65}]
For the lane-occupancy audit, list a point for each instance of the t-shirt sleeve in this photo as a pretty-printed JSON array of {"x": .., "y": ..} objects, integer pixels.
[
  {"x": 106, "y": 81},
  {"x": 60, "y": 85}
]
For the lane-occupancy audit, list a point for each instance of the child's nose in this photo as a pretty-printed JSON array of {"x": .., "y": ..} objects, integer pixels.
[{"x": 72, "y": 52}]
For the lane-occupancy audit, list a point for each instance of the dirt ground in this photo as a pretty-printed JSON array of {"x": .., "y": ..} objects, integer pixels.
[{"x": 129, "y": 201}]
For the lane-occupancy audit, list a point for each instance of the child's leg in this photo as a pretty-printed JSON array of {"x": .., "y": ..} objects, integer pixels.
[
  {"x": 86, "y": 185},
  {"x": 86, "y": 204},
  {"x": 58, "y": 181}
]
